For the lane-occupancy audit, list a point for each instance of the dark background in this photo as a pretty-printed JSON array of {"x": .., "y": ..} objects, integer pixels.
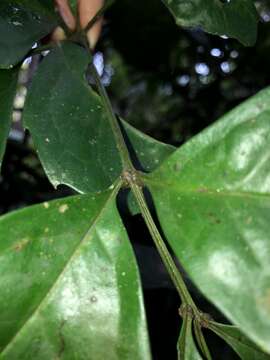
[{"x": 170, "y": 83}]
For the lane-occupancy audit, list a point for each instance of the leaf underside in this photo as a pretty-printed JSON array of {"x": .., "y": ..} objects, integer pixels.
[{"x": 237, "y": 18}]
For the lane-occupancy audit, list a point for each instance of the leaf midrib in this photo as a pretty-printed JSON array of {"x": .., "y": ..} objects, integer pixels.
[{"x": 59, "y": 277}]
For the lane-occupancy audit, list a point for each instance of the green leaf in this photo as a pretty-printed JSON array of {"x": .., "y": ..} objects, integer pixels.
[
  {"x": 73, "y": 6},
  {"x": 8, "y": 83},
  {"x": 213, "y": 201},
  {"x": 242, "y": 346},
  {"x": 22, "y": 23},
  {"x": 187, "y": 349},
  {"x": 70, "y": 127},
  {"x": 236, "y": 18},
  {"x": 148, "y": 152},
  {"x": 69, "y": 286}
]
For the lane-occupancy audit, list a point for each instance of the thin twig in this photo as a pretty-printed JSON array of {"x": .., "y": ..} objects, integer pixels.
[{"x": 98, "y": 14}]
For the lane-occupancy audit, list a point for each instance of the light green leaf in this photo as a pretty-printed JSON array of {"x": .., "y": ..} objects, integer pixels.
[
  {"x": 187, "y": 349},
  {"x": 70, "y": 127},
  {"x": 8, "y": 83},
  {"x": 22, "y": 23},
  {"x": 242, "y": 346},
  {"x": 234, "y": 18},
  {"x": 69, "y": 286},
  {"x": 213, "y": 201}
]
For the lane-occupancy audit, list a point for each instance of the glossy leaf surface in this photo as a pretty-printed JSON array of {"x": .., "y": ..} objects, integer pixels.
[
  {"x": 22, "y": 23},
  {"x": 213, "y": 201},
  {"x": 69, "y": 283},
  {"x": 187, "y": 348},
  {"x": 8, "y": 82},
  {"x": 242, "y": 346},
  {"x": 147, "y": 152},
  {"x": 70, "y": 127},
  {"x": 236, "y": 18}
]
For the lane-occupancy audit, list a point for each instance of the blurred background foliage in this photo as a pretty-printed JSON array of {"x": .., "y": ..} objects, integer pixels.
[{"x": 170, "y": 83}]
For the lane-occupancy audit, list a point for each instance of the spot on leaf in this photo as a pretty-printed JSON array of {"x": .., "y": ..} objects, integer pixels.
[{"x": 21, "y": 244}]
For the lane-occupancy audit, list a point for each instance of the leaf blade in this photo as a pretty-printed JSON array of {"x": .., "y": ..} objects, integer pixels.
[
  {"x": 242, "y": 346},
  {"x": 70, "y": 128},
  {"x": 237, "y": 19},
  {"x": 214, "y": 194},
  {"x": 92, "y": 276},
  {"x": 23, "y": 23}
]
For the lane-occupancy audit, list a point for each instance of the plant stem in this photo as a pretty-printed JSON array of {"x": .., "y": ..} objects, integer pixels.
[
  {"x": 161, "y": 247},
  {"x": 41, "y": 49},
  {"x": 107, "y": 4},
  {"x": 201, "y": 340},
  {"x": 131, "y": 176},
  {"x": 120, "y": 142}
]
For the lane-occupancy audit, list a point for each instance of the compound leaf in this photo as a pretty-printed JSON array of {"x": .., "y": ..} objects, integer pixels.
[
  {"x": 236, "y": 18},
  {"x": 213, "y": 201},
  {"x": 69, "y": 283}
]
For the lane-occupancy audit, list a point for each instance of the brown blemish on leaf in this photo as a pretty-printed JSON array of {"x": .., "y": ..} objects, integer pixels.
[
  {"x": 21, "y": 244},
  {"x": 62, "y": 340},
  {"x": 264, "y": 301},
  {"x": 202, "y": 190},
  {"x": 249, "y": 220},
  {"x": 177, "y": 167},
  {"x": 213, "y": 218}
]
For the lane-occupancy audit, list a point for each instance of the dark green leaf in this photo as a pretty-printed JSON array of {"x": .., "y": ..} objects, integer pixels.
[
  {"x": 148, "y": 152},
  {"x": 213, "y": 201},
  {"x": 187, "y": 349},
  {"x": 8, "y": 82},
  {"x": 22, "y": 23},
  {"x": 69, "y": 285},
  {"x": 234, "y": 18},
  {"x": 242, "y": 346},
  {"x": 70, "y": 127}
]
